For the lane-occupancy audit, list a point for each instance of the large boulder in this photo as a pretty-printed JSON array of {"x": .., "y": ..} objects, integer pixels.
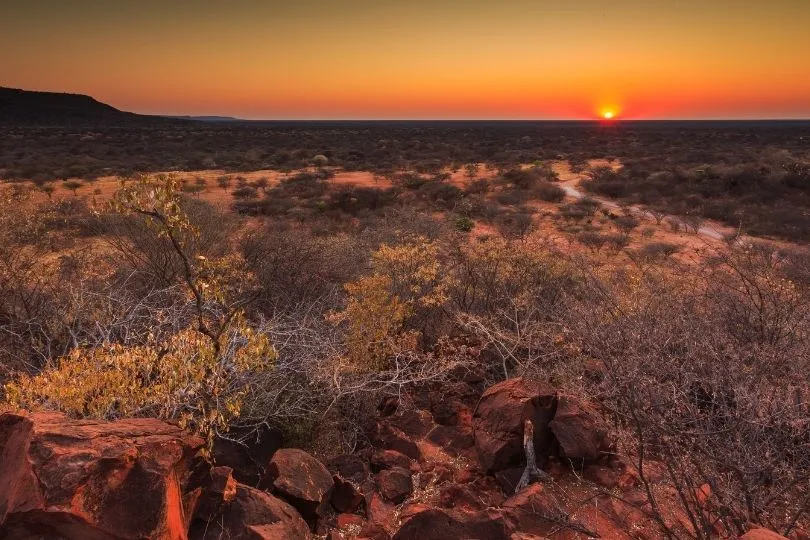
[
  {"x": 300, "y": 479},
  {"x": 252, "y": 515},
  {"x": 90, "y": 479},
  {"x": 499, "y": 417},
  {"x": 579, "y": 432}
]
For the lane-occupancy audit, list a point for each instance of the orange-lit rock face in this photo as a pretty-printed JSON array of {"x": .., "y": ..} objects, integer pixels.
[{"x": 90, "y": 479}]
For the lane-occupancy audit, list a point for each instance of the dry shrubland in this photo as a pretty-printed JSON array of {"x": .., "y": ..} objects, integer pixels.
[{"x": 159, "y": 304}]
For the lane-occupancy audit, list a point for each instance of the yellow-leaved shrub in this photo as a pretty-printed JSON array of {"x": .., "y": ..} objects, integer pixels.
[
  {"x": 407, "y": 281},
  {"x": 185, "y": 379}
]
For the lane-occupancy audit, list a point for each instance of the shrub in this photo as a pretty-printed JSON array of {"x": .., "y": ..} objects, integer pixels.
[
  {"x": 224, "y": 182},
  {"x": 477, "y": 187},
  {"x": 464, "y": 224},
  {"x": 196, "y": 375},
  {"x": 245, "y": 192},
  {"x": 374, "y": 317},
  {"x": 658, "y": 250},
  {"x": 73, "y": 185},
  {"x": 625, "y": 223},
  {"x": 592, "y": 240},
  {"x": 189, "y": 378},
  {"x": 549, "y": 192}
]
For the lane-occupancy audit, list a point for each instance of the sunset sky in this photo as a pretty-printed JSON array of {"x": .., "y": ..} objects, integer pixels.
[{"x": 532, "y": 59}]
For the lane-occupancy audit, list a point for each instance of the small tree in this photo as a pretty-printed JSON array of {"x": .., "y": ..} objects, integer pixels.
[
  {"x": 73, "y": 185},
  {"x": 262, "y": 183},
  {"x": 198, "y": 375},
  {"x": 320, "y": 161},
  {"x": 224, "y": 182},
  {"x": 48, "y": 190}
]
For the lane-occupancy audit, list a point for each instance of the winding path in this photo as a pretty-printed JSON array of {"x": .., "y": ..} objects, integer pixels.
[{"x": 569, "y": 183}]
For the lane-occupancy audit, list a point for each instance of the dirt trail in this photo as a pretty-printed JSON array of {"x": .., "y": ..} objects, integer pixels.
[{"x": 569, "y": 182}]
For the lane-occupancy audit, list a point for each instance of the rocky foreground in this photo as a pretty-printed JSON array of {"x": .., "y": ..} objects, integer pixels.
[{"x": 445, "y": 468}]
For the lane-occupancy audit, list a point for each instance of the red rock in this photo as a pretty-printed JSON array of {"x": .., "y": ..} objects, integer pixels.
[
  {"x": 219, "y": 489},
  {"x": 603, "y": 476},
  {"x": 464, "y": 476},
  {"x": 349, "y": 467},
  {"x": 346, "y": 496},
  {"x": 387, "y": 459},
  {"x": 578, "y": 432},
  {"x": 460, "y": 496},
  {"x": 702, "y": 495},
  {"x": 438, "y": 525},
  {"x": 444, "y": 408},
  {"x": 352, "y": 481},
  {"x": 300, "y": 479},
  {"x": 413, "y": 423},
  {"x": 392, "y": 438},
  {"x": 249, "y": 458},
  {"x": 395, "y": 484},
  {"x": 409, "y": 510},
  {"x": 486, "y": 488},
  {"x": 373, "y": 531},
  {"x": 533, "y": 511},
  {"x": 380, "y": 512},
  {"x": 345, "y": 521},
  {"x": 452, "y": 439},
  {"x": 438, "y": 473},
  {"x": 253, "y": 515},
  {"x": 762, "y": 534},
  {"x": 92, "y": 479},
  {"x": 499, "y": 417}
]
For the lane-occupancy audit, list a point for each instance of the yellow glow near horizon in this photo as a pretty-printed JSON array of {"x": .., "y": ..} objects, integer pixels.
[
  {"x": 608, "y": 115},
  {"x": 422, "y": 59}
]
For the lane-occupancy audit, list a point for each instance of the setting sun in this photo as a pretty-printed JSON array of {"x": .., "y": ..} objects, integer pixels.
[{"x": 608, "y": 115}]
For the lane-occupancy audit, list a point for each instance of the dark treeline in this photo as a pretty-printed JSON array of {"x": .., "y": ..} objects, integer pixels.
[{"x": 44, "y": 154}]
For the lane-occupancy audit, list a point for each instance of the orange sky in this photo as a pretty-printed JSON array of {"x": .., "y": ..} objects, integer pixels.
[{"x": 418, "y": 58}]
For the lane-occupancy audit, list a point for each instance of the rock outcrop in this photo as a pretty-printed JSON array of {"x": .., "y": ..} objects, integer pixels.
[
  {"x": 300, "y": 479},
  {"x": 498, "y": 422},
  {"x": 438, "y": 471},
  {"x": 94, "y": 480},
  {"x": 253, "y": 514},
  {"x": 578, "y": 432}
]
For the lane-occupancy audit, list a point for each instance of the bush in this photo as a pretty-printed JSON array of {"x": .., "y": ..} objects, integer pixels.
[
  {"x": 464, "y": 224},
  {"x": 549, "y": 192},
  {"x": 245, "y": 192},
  {"x": 658, "y": 250},
  {"x": 592, "y": 240}
]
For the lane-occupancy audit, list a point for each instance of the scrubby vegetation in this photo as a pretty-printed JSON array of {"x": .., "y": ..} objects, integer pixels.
[
  {"x": 300, "y": 303},
  {"x": 764, "y": 195}
]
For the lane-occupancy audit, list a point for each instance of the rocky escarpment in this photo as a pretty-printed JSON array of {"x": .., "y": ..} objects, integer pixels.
[{"x": 444, "y": 467}]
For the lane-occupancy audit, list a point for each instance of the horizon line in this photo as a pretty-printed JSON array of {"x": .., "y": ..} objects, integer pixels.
[{"x": 226, "y": 118}]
